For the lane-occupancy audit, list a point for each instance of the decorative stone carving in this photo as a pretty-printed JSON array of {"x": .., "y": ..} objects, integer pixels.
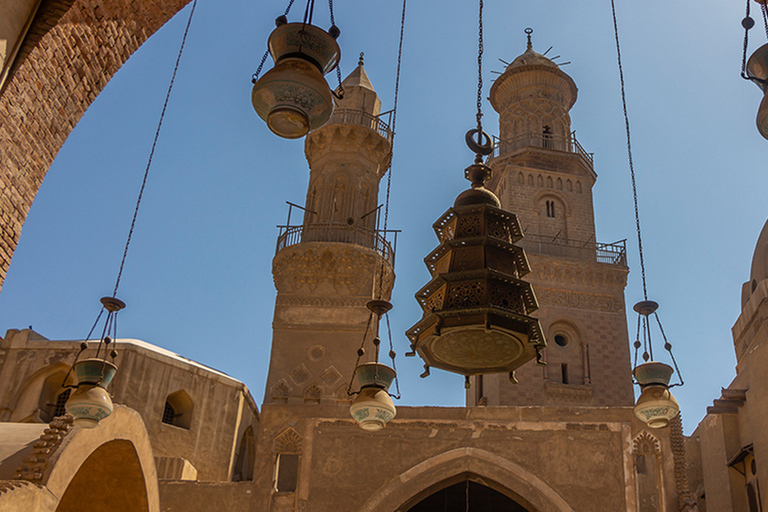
[
  {"x": 289, "y": 441},
  {"x": 34, "y": 465},
  {"x": 281, "y": 390},
  {"x": 569, "y": 392},
  {"x": 316, "y": 352},
  {"x": 330, "y": 376},
  {"x": 578, "y": 300},
  {"x": 300, "y": 374},
  {"x": 313, "y": 393},
  {"x": 644, "y": 442}
]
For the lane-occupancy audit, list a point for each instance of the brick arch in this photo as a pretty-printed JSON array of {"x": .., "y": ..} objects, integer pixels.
[{"x": 71, "y": 51}]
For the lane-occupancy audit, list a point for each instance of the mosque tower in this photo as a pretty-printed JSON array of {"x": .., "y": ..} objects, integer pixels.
[
  {"x": 328, "y": 268},
  {"x": 543, "y": 175}
]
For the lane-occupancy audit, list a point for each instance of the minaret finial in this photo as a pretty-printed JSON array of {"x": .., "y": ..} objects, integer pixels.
[
  {"x": 528, "y": 32},
  {"x": 362, "y": 58}
]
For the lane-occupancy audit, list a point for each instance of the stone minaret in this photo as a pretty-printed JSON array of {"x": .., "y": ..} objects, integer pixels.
[
  {"x": 545, "y": 177},
  {"x": 327, "y": 269}
]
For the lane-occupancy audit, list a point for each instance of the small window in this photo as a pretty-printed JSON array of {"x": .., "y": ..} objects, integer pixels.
[
  {"x": 564, "y": 368},
  {"x": 561, "y": 340},
  {"x": 551, "y": 209},
  {"x": 61, "y": 402},
  {"x": 178, "y": 410},
  {"x": 286, "y": 472}
]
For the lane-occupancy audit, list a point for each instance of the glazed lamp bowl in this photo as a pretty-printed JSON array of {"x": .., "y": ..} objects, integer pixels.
[
  {"x": 656, "y": 406},
  {"x": 372, "y": 409},
  {"x": 757, "y": 66},
  {"x": 308, "y": 41},
  {"x": 95, "y": 371},
  {"x": 375, "y": 375},
  {"x": 88, "y": 405},
  {"x": 653, "y": 372}
]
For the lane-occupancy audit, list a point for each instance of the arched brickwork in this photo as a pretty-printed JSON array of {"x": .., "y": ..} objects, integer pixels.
[{"x": 72, "y": 50}]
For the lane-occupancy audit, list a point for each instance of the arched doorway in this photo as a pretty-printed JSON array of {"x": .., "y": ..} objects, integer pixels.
[
  {"x": 467, "y": 496},
  {"x": 110, "y": 480}
]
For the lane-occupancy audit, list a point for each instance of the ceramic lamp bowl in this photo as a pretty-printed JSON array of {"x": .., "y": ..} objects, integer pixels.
[
  {"x": 757, "y": 65},
  {"x": 372, "y": 409},
  {"x": 374, "y": 375},
  {"x": 88, "y": 405},
  {"x": 293, "y": 98},
  {"x": 307, "y": 42},
  {"x": 95, "y": 371},
  {"x": 653, "y": 372},
  {"x": 656, "y": 406},
  {"x": 762, "y": 117}
]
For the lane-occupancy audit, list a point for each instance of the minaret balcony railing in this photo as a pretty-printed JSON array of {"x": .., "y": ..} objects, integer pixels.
[
  {"x": 567, "y": 144},
  {"x": 340, "y": 233},
  {"x": 362, "y": 118},
  {"x": 611, "y": 254}
]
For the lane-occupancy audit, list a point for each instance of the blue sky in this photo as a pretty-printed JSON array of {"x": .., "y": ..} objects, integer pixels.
[{"x": 197, "y": 280}]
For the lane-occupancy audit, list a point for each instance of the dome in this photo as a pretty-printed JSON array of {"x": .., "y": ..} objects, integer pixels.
[
  {"x": 480, "y": 195},
  {"x": 531, "y": 58}
]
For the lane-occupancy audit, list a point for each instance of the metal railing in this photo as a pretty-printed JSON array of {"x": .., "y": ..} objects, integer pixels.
[
  {"x": 568, "y": 144},
  {"x": 343, "y": 233},
  {"x": 610, "y": 254},
  {"x": 363, "y": 118}
]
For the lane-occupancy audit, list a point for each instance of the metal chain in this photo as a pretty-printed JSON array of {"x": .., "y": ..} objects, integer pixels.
[
  {"x": 360, "y": 353},
  {"x": 668, "y": 348},
  {"x": 747, "y": 23},
  {"x": 255, "y": 76},
  {"x": 392, "y": 357},
  {"x": 480, "y": 73},
  {"x": 629, "y": 150},
  {"x": 152, "y": 151},
  {"x": 764, "y": 10}
]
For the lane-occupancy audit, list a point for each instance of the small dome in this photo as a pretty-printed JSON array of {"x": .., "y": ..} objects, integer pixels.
[
  {"x": 480, "y": 195},
  {"x": 531, "y": 58}
]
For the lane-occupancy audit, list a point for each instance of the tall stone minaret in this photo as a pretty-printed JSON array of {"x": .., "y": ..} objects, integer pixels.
[
  {"x": 545, "y": 177},
  {"x": 327, "y": 269}
]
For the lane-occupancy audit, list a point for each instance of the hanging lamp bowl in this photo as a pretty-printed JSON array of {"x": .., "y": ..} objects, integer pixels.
[
  {"x": 757, "y": 66},
  {"x": 95, "y": 371},
  {"x": 374, "y": 375},
  {"x": 372, "y": 409},
  {"x": 88, "y": 405},
  {"x": 656, "y": 406},
  {"x": 307, "y": 42},
  {"x": 293, "y": 97},
  {"x": 653, "y": 372}
]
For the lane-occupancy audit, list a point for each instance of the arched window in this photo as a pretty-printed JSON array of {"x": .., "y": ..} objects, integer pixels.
[
  {"x": 245, "y": 457},
  {"x": 178, "y": 410},
  {"x": 54, "y": 396},
  {"x": 479, "y": 497},
  {"x": 551, "y": 209}
]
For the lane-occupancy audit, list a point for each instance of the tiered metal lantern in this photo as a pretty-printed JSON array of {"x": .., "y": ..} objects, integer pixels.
[
  {"x": 372, "y": 407},
  {"x": 293, "y": 97},
  {"x": 90, "y": 402},
  {"x": 656, "y": 406},
  {"x": 476, "y": 309},
  {"x": 757, "y": 71}
]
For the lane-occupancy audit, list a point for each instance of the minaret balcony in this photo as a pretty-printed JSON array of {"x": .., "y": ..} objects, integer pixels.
[
  {"x": 609, "y": 254},
  {"x": 340, "y": 233},
  {"x": 546, "y": 141},
  {"x": 366, "y": 119}
]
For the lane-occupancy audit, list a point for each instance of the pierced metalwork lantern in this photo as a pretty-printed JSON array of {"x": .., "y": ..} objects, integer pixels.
[
  {"x": 476, "y": 309},
  {"x": 90, "y": 402},
  {"x": 656, "y": 405},
  {"x": 293, "y": 97}
]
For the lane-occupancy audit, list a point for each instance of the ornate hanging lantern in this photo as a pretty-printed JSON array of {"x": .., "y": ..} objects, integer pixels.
[
  {"x": 656, "y": 405},
  {"x": 476, "y": 307},
  {"x": 293, "y": 97},
  {"x": 372, "y": 408},
  {"x": 91, "y": 402}
]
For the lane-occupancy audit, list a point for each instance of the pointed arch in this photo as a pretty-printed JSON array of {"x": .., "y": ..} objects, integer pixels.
[
  {"x": 441, "y": 470},
  {"x": 178, "y": 409},
  {"x": 37, "y": 397}
]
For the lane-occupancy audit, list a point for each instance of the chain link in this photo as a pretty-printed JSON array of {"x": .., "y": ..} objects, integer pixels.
[
  {"x": 152, "y": 151},
  {"x": 480, "y": 50},
  {"x": 745, "y": 24}
]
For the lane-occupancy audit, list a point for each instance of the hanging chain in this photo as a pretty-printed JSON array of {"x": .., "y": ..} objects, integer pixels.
[
  {"x": 480, "y": 50},
  {"x": 338, "y": 66},
  {"x": 668, "y": 348},
  {"x": 747, "y": 23},
  {"x": 637, "y": 343},
  {"x": 629, "y": 150},
  {"x": 152, "y": 151},
  {"x": 392, "y": 357},
  {"x": 255, "y": 76}
]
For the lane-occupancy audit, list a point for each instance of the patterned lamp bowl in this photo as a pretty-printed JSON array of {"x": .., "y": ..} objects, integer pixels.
[
  {"x": 372, "y": 409},
  {"x": 653, "y": 372},
  {"x": 95, "y": 371},
  {"x": 293, "y": 98},
  {"x": 762, "y": 116},
  {"x": 88, "y": 405},
  {"x": 308, "y": 42},
  {"x": 757, "y": 66},
  {"x": 375, "y": 375},
  {"x": 656, "y": 406}
]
